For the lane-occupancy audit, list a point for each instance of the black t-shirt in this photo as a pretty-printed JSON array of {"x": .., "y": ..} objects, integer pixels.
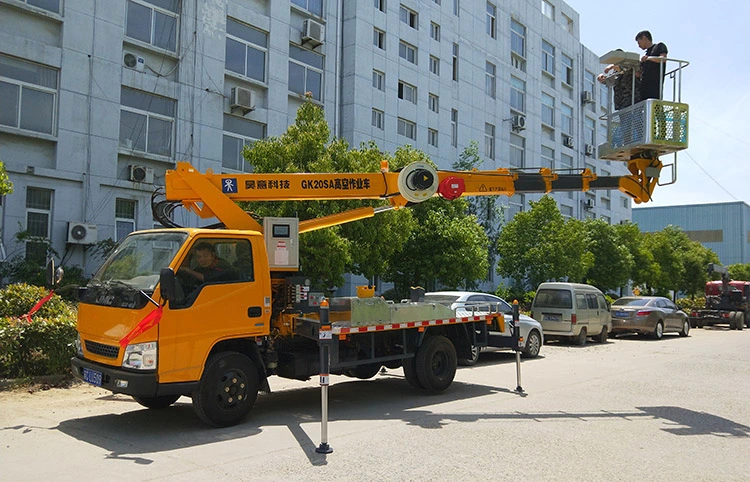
[{"x": 651, "y": 73}]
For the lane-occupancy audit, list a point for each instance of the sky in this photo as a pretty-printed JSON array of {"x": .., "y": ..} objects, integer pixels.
[{"x": 715, "y": 38}]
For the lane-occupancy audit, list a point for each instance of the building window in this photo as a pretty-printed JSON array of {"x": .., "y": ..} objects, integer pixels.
[
  {"x": 49, "y": 5},
  {"x": 407, "y": 92},
  {"x": 489, "y": 141},
  {"x": 380, "y": 5},
  {"x": 566, "y": 211},
  {"x": 407, "y": 129},
  {"x": 490, "y": 83},
  {"x": 28, "y": 95},
  {"x": 455, "y": 62},
  {"x": 548, "y": 157},
  {"x": 125, "y": 210},
  {"x": 433, "y": 102},
  {"x": 378, "y": 80},
  {"x": 517, "y": 150},
  {"x": 515, "y": 205},
  {"x": 146, "y": 122},
  {"x": 518, "y": 45},
  {"x": 305, "y": 72},
  {"x": 548, "y": 10},
  {"x": 38, "y": 215},
  {"x": 454, "y": 127},
  {"x": 567, "y": 64},
  {"x": 548, "y": 109},
  {"x": 407, "y": 52},
  {"x": 566, "y": 161},
  {"x": 432, "y": 137},
  {"x": 589, "y": 134},
  {"x": 378, "y": 38},
  {"x": 377, "y": 119},
  {"x": 239, "y": 133},
  {"x": 409, "y": 17},
  {"x": 625, "y": 203},
  {"x": 548, "y": 58},
  {"x": 313, "y": 6},
  {"x": 568, "y": 22},
  {"x": 566, "y": 119},
  {"x": 246, "y": 50},
  {"x": 603, "y": 96},
  {"x": 153, "y": 22},
  {"x": 435, "y": 31},
  {"x": 434, "y": 65},
  {"x": 491, "y": 20},
  {"x": 517, "y": 94},
  {"x": 588, "y": 85}
]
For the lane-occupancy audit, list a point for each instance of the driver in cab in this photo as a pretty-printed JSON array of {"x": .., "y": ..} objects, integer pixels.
[{"x": 209, "y": 267}]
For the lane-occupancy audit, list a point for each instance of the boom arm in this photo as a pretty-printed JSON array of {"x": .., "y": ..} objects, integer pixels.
[{"x": 215, "y": 195}]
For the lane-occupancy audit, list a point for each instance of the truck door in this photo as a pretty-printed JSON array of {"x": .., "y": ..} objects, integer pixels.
[{"x": 225, "y": 301}]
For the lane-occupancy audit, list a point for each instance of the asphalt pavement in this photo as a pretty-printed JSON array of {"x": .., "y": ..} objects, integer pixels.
[{"x": 630, "y": 409}]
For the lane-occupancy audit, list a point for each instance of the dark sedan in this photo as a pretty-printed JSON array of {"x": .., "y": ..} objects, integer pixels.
[{"x": 648, "y": 315}]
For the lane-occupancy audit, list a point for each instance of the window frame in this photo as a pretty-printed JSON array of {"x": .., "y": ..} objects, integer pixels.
[
  {"x": 379, "y": 5},
  {"x": 455, "y": 62},
  {"x": 491, "y": 25},
  {"x": 378, "y": 80},
  {"x": 248, "y": 45},
  {"x": 517, "y": 147},
  {"x": 432, "y": 137},
  {"x": 149, "y": 116},
  {"x": 548, "y": 58},
  {"x": 409, "y": 17},
  {"x": 454, "y": 127},
  {"x": 404, "y": 126},
  {"x": 24, "y": 85},
  {"x": 308, "y": 68},
  {"x": 433, "y": 102},
  {"x": 489, "y": 140},
  {"x": 548, "y": 10},
  {"x": 405, "y": 48},
  {"x": 132, "y": 222},
  {"x": 378, "y": 38},
  {"x": 566, "y": 121},
  {"x": 548, "y": 109},
  {"x": 33, "y": 244},
  {"x": 378, "y": 119},
  {"x": 239, "y": 136},
  {"x": 434, "y": 65},
  {"x": 435, "y": 31},
  {"x": 306, "y": 6},
  {"x": 403, "y": 88},
  {"x": 490, "y": 84},
  {"x": 515, "y": 93},
  {"x": 152, "y": 30},
  {"x": 568, "y": 75}
]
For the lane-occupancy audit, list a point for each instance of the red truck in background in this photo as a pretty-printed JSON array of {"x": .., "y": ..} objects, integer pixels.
[{"x": 727, "y": 302}]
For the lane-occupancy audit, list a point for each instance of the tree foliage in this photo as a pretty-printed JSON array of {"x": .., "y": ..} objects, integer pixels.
[
  {"x": 6, "y": 186},
  {"x": 739, "y": 271},
  {"x": 612, "y": 261}
]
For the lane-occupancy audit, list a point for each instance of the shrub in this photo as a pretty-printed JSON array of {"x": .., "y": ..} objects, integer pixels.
[
  {"x": 40, "y": 347},
  {"x": 16, "y": 300},
  {"x": 691, "y": 303}
]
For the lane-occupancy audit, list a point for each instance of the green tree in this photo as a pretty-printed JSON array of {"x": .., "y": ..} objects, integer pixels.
[
  {"x": 539, "y": 245},
  {"x": 643, "y": 267},
  {"x": 612, "y": 261},
  {"x": 739, "y": 271},
  {"x": 695, "y": 260},
  {"x": 6, "y": 186}
]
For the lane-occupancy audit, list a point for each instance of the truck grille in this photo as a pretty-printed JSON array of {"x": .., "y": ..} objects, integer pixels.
[{"x": 100, "y": 349}]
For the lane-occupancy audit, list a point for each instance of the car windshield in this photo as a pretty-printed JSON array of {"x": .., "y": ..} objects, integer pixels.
[
  {"x": 138, "y": 260},
  {"x": 442, "y": 299},
  {"x": 631, "y": 302},
  {"x": 552, "y": 298}
]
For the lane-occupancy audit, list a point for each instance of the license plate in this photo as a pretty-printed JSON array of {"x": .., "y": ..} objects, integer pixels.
[
  {"x": 92, "y": 376},
  {"x": 550, "y": 317},
  {"x": 621, "y": 314}
]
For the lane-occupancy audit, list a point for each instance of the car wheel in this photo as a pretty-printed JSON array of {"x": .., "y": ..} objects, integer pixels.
[
  {"x": 163, "y": 401},
  {"x": 436, "y": 363},
  {"x": 467, "y": 362},
  {"x": 533, "y": 345},
  {"x": 659, "y": 330},
  {"x": 602, "y": 337},
  {"x": 227, "y": 389},
  {"x": 580, "y": 340},
  {"x": 685, "y": 328}
]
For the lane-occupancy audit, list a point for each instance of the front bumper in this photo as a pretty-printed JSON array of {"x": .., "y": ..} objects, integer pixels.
[{"x": 130, "y": 383}]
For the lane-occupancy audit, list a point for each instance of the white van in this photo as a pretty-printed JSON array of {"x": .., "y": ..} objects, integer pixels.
[{"x": 572, "y": 310}]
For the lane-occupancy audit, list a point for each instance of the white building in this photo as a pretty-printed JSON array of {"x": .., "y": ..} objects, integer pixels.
[{"x": 99, "y": 98}]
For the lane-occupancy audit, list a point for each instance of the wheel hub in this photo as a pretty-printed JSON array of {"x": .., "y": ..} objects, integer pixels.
[{"x": 232, "y": 389}]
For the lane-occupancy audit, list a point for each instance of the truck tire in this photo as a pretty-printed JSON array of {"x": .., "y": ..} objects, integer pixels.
[
  {"x": 363, "y": 372},
  {"x": 739, "y": 322},
  {"x": 732, "y": 320},
  {"x": 227, "y": 390},
  {"x": 157, "y": 402},
  {"x": 410, "y": 373},
  {"x": 436, "y": 363},
  {"x": 746, "y": 316}
]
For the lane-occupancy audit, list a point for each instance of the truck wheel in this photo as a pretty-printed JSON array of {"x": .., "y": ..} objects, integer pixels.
[
  {"x": 157, "y": 402},
  {"x": 580, "y": 340},
  {"x": 739, "y": 322},
  {"x": 732, "y": 320},
  {"x": 436, "y": 363},
  {"x": 410, "y": 373},
  {"x": 746, "y": 316},
  {"x": 227, "y": 389},
  {"x": 685, "y": 328},
  {"x": 363, "y": 372},
  {"x": 658, "y": 330}
]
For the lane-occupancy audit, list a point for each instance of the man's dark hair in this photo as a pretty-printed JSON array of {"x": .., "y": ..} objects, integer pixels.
[
  {"x": 205, "y": 247},
  {"x": 644, "y": 33}
]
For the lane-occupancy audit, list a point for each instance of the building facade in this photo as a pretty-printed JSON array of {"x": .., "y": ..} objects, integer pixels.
[
  {"x": 99, "y": 98},
  {"x": 722, "y": 227}
]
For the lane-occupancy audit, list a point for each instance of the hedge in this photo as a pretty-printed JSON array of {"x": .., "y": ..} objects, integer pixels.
[{"x": 42, "y": 346}]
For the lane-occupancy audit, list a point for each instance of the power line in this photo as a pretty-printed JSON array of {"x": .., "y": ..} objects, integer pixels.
[{"x": 711, "y": 177}]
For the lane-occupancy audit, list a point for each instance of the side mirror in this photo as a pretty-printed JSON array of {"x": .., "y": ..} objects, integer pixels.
[
  {"x": 167, "y": 284},
  {"x": 54, "y": 276}
]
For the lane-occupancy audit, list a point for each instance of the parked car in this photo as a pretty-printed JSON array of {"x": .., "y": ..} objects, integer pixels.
[
  {"x": 467, "y": 303},
  {"x": 648, "y": 315},
  {"x": 572, "y": 311}
]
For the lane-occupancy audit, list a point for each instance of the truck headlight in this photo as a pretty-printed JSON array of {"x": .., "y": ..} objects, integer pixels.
[
  {"x": 79, "y": 346},
  {"x": 140, "y": 356}
]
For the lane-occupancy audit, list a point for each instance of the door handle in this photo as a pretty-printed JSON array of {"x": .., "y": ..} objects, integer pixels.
[{"x": 254, "y": 312}]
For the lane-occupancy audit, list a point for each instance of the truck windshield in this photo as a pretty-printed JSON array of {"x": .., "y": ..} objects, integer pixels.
[{"x": 135, "y": 264}]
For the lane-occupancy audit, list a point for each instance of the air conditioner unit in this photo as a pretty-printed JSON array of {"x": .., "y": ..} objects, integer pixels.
[
  {"x": 243, "y": 99},
  {"x": 586, "y": 97},
  {"x": 82, "y": 233},
  {"x": 312, "y": 32},
  {"x": 568, "y": 141},
  {"x": 133, "y": 61},
  {"x": 589, "y": 150},
  {"x": 588, "y": 204},
  {"x": 141, "y": 174},
  {"x": 518, "y": 122}
]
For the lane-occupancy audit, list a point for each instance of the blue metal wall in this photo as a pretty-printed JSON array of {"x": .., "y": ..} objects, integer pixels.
[{"x": 732, "y": 219}]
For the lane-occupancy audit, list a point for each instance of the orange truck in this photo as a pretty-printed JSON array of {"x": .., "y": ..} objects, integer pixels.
[{"x": 213, "y": 313}]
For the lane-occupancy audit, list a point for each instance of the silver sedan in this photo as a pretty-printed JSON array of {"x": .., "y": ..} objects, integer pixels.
[
  {"x": 648, "y": 315},
  {"x": 467, "y": 303}
]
